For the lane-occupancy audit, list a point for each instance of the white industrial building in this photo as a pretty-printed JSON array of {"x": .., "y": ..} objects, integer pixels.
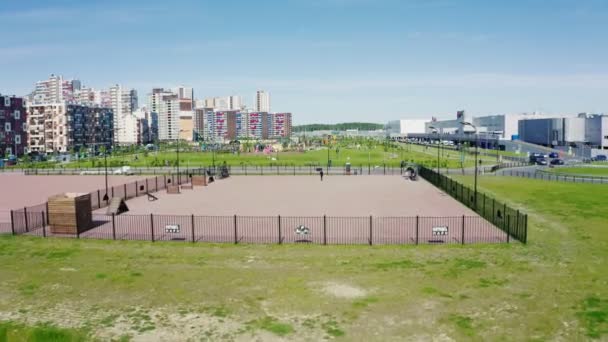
[{"x": 406, "y": 126}]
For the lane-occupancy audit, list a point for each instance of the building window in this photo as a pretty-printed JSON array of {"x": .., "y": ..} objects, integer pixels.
[
  {"x": 24, "y": 126},
  {"x": 7, "y": 101},
  {"x": 17, "y": 115},
  {"x": 17, "y": 139},
  {"x": 7, "y": 126}
]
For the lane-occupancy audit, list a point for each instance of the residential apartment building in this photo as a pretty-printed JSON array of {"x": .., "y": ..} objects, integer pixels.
[
  {"x": 148, "y": 125},
  {"x": 279, "y": 125},
  {"x": 123, "y": 103},
  {"x": 167, "y": 105},
  {"x": 262, "y": 101},
  {"x": 61, "y": 127},
  {"x": 200, "y": 115},
  {"x": 226, "y": 103},
  {"x": 55, "y": 89},
  {"x": 13, "y": 118},
  {"x": 257, "y": 125}
]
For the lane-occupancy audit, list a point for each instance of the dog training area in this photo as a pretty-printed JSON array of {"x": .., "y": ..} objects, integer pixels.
[{"x": 275, "y": 209}]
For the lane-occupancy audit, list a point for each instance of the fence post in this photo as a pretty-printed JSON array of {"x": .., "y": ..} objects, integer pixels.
[
  {"x": 463, "y": 221},
  {"x": 517, "y": 225},
  {"x": 324, "y": 229},
  {"x": 504, "y": 220},
  {"x": 417, "y": 227},
  {"x": 98, "y": 199},
  {"x": 27, "y": 228},
  {"x": 47, "y": 212},
  {"x": 113, "y": 226},
  {"x": 236, "y": 239},
  {"x": 192, "y": 228},
  {"x": 508, "y": 228},
  {"x": 136, "y": 189},
  {"x": 280, "y": 240},
  {"x": 370, "y": 230},
  {"x": 493, "y": 210},
  {"x": 43, "y": 226},
  {"x": 156, "y": 183},
  {"x": 526, "y": 229},
  {"x": 152, "y": 226}
]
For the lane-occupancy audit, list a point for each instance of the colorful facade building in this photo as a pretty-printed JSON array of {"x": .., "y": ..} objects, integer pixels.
[{"x": 13, "y": 119}]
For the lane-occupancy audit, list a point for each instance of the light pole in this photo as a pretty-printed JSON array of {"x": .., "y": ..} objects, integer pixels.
[
  {"x": 476, "y": 153},
  {"x": 436, "y": 131}
]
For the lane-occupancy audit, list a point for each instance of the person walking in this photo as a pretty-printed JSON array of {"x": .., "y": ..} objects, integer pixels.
[{"x": 321, "y": 173}]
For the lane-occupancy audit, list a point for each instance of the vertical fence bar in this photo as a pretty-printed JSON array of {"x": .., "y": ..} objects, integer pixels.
[
  {"x": 27, "y": 228},
  {"x": 98, "y": 199},
  {"x": 324, "y": 229},
  {"x": 236, "y": 238},
  {"x": 152, "y": 226},
  {"x": 192, "y": 224},
  {"x": 280, "y": 240},
  {"x": 525, "y": 229},
  {"x": 136, "y": 189},
  {"x": 112, "y": 192},
  {"x": 504, "y": 219},
  {"x": 517, "y": 230},
  {"x": 370, "y": 229},
  {"x": 113, "y": 226},
  {"x": 43, "y": 226},
  {"x": 508, "y": 228},
  {"x": 462, "y": 238},
  {"x": 47, "y": 212},
  {"x": 417, "y": 227}
]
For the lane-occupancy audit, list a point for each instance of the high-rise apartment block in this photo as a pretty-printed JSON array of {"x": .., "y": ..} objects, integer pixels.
[
  {"x": 13, "y": 118},
  {"x": 225, "y": 103},
  {"x": 61, "y": 127},
  {"x": 262, "y": 101},
  {"x": 167, "y": 105},
  {"x": 279, "y": 125},
  {"x": 123, "y": 103}
]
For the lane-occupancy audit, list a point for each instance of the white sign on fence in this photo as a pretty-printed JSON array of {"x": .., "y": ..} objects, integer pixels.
[
  {"x": 441, "y": 230},
  {"x": 172, "y": 228}
]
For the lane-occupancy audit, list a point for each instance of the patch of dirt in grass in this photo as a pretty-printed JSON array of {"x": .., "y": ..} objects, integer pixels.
[{"x": 341, "y": 290}]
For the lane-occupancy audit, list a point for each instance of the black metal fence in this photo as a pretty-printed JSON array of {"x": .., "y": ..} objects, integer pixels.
[
  {"x": 321, "y": 230},
  {"x": 253, "y": 170},
  {"x": 554, "y": 176},
  {"x": 509, "y": 220}
]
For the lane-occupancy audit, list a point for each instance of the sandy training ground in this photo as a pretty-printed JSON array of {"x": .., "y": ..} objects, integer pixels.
[
  {"x": 305, "y": 196},
  {"x": 18, "y": 191},
  {"x": 271, "y": 209}
]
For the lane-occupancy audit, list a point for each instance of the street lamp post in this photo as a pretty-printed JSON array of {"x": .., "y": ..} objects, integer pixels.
[
  {"x": 476, "y": 153},
  {"x": 436, "y": 131}
]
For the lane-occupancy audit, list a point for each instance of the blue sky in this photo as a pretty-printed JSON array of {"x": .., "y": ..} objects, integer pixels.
[{"x": 324, "y": 60}]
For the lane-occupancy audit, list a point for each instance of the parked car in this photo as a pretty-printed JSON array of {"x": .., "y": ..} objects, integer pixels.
[
  {"x": 553, "y": 155},
  {"x": 540, "y": 161},
  {"x": 599, "y": 157},
  {"x": 557, "y": 162}
]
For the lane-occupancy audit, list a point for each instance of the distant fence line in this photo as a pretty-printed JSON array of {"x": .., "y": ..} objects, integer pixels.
[
  {"x": 554, "y": 176},
  {"x": 322, "y": 230},
  {"x": 509, "y": 220}
]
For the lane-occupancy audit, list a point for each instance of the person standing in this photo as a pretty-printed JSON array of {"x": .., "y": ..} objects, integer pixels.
[{"x": 321, "y": 173}]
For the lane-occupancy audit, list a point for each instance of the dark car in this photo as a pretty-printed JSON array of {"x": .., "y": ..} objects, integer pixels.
[
  {"x": 557, "y": 162},
  {"x": 540, "y": 161},
  {"x": 553, "y": 155},
  {"x": 599, "y": 157}
]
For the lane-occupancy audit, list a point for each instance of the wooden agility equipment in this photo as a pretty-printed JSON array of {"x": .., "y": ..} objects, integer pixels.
[
  {"x": 70, "y": 213},
  {"x": 199, "y": 180},
  {"x": 187, "y": 186},
  {"x": 173, "y": 189}
]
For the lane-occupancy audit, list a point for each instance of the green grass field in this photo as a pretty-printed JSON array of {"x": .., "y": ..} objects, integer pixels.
[
  {"x": 554, "y": 288},
  {"x": 363, "y": 156},
  {"x": 587, "y": 171}
]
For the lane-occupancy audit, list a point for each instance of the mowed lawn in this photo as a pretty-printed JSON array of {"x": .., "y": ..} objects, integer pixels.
[
  {"x": 554, "y": 288},
  {"x": 357, "y": 157},
  {"x": 588, "y": 171}
]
